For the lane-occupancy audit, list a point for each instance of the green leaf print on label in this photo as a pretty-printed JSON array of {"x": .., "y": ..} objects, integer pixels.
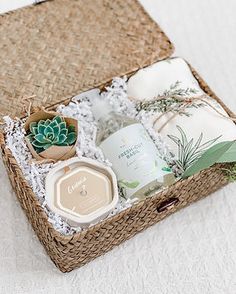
[
  {"x": 166, "y": 169},
  {"x": 130, "y": 185}
]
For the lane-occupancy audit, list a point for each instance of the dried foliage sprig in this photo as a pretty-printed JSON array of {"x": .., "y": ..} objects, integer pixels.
[{"x": 230, "y": 173}]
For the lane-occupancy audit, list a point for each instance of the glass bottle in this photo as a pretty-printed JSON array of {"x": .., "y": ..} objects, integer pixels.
[{"x": 134, "y": 156}]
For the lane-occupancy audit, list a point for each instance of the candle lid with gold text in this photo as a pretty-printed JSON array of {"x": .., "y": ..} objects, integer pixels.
[{"x": 82, "y": 191}]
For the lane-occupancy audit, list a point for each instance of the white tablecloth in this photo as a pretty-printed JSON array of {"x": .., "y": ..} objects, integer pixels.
[{"x": 192, "y": 251}]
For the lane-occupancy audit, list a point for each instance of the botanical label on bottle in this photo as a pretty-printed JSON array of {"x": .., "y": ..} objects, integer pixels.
[{"x": 134, "y": 158}]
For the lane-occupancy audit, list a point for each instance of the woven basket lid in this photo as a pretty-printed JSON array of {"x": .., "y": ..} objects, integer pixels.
[{"x": 60, "y": 48}]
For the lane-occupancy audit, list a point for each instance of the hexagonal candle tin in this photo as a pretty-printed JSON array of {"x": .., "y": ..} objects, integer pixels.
[{"x": 82, "y": 191}]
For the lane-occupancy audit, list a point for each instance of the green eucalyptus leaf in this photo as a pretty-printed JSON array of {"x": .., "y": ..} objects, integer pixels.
[
  {"x": 229, "y": 155},
  {"x": 208, "y": 158}
]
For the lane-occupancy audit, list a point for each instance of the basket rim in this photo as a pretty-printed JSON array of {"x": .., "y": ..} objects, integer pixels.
[{"x": 79, "y": 235}]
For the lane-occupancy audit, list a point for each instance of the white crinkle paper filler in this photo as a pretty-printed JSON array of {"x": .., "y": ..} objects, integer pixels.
[{"x": 78, "y": 108}]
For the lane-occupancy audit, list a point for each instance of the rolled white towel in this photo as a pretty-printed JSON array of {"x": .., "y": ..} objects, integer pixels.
[{"x": 154, "y": 80}]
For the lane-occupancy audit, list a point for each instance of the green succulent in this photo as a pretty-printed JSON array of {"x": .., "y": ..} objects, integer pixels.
[{"x": 51, "y": 132}]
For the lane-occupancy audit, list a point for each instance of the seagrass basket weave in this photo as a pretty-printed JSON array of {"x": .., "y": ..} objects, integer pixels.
[{"x": 57, "y": 50}]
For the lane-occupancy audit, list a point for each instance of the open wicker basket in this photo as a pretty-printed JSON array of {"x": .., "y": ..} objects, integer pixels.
[{"x": 58, "y": 49}]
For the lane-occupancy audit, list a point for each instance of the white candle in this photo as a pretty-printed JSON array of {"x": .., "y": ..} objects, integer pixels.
[{"x": 82, "y": 191}]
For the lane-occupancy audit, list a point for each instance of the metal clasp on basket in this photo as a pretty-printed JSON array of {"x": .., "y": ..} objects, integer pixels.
[{"x": 167, "y": 204}]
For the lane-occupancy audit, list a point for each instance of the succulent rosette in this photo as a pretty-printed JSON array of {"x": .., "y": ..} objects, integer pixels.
[
  {"x": 51, "y": 136},
  {"x": 47, "y": 133}
]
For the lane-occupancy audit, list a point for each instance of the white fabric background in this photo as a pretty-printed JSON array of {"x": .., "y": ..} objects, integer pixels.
[{"x": 192, "y": 251}]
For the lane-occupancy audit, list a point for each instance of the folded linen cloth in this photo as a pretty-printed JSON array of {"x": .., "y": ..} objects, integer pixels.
[{"x": 182, "y": 110}]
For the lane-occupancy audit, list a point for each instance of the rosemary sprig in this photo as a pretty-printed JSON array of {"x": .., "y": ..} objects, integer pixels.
[
  {"x": 176, "y": 91},
  {"x": 171, "y": 100}
]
